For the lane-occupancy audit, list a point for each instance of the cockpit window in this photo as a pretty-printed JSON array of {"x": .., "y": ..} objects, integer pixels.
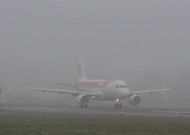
[{"x": 121, "y": 86}]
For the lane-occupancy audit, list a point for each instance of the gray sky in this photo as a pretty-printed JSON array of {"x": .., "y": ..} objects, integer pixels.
[{"x": 42, "y": 39}]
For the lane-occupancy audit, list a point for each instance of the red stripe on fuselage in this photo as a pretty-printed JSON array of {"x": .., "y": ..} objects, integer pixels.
[{"x": 94, "y": 84}]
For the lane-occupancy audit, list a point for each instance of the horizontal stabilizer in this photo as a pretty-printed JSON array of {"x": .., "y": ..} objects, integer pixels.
[{"x": 64, "y": 84}]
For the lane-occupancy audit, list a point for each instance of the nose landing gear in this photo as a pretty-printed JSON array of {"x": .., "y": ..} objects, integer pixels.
[{"x": 118, "y": 104}]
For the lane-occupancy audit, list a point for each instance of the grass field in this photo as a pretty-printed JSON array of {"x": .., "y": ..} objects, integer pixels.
[{"x": 40, "y": 123}]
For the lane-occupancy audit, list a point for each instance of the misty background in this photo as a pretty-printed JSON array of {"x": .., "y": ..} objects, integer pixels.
[{"x": 145, "y": 43}]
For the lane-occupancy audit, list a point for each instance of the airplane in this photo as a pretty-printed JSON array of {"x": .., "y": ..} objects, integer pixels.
[{"x": 104, "y": 90}]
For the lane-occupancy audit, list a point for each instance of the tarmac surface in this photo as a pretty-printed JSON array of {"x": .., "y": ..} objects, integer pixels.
[
  {"x": 30, "y": 120},
  {"x": 103, "y": 111}
]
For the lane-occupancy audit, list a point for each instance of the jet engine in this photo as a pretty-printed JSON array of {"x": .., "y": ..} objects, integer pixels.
[
  {"x": 82, "y": 100},
  {"x": 135, "y": 100}
]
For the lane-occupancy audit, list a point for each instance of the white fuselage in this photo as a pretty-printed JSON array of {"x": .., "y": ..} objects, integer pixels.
[{"x": 108, "y": 90}]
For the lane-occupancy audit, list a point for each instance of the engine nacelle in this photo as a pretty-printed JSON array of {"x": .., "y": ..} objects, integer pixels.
[
  {"x": 82, "y": 99},
  {"x": 135, "y": 100}
]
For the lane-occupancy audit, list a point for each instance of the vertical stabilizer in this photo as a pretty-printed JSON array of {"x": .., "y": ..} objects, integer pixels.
[{"x": 81, "y": 72}]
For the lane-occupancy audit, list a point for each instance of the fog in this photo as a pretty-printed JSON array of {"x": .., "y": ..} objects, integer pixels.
[{"x": 145, "y": 43}]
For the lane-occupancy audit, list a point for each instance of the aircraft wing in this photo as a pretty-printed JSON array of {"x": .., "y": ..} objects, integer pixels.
[
  {"x": 149, "y": 91},
  {"x": 60, "y": 91}
]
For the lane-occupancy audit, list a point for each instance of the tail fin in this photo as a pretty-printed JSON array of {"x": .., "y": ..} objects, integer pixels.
[{"x": 81, "y": 72}]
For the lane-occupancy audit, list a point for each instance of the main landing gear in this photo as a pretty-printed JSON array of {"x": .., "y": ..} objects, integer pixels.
[{"x": 118, "y": 104}]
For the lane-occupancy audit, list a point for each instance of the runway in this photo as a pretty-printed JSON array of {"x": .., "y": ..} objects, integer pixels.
[
  {"x": 97, "y": 111},
  {"x": 100, "y": 121}
]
